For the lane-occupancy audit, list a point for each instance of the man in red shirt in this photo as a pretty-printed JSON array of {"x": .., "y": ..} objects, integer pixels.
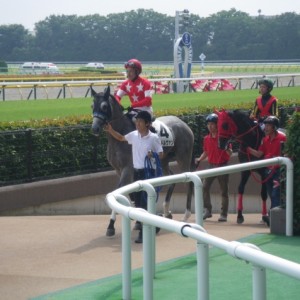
[
  {"x": 216, "y": 158},
  {"x": 271, "y": 147},
  {"x": 138, "y": 89}
]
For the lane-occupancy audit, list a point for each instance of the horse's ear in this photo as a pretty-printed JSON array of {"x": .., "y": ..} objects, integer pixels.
[
  {"x": 107, "y": 92},
  {"x": 216, "y": 111},
  {"x": 93, "y": 92}
]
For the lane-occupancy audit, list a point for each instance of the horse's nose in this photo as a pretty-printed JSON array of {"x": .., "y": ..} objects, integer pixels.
[{"x": 95, "y": 128}]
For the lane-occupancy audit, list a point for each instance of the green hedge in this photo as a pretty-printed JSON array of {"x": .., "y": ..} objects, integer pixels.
[
  {"x": 292, "y": 149},
  {"x": 36, "y": 150}
]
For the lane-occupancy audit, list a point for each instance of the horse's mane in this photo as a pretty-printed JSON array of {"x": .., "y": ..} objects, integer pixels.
[
  {"x": 242, "y": 118},
  {"x": 244, "y": 124},
  {"x": 125, "y": 124}
]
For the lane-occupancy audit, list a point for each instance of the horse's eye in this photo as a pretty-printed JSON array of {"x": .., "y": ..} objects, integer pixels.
[{"x": 225, "y": 126}]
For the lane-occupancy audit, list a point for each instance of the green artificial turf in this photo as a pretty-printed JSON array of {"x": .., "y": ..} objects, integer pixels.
[{"x": 229, "y": 278}]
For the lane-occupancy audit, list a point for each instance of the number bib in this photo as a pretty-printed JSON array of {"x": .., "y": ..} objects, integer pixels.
[{"x": 164, "y": 133}]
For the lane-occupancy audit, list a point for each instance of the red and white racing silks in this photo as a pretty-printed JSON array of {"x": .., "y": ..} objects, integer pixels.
[{"x": 138, "y": 91}]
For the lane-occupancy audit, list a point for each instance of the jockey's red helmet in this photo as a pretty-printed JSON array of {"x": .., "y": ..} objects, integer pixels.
[{"x": 135, "y": 64}]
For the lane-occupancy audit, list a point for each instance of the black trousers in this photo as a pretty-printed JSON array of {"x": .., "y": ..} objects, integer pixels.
[{"x": 140, "y": 198}]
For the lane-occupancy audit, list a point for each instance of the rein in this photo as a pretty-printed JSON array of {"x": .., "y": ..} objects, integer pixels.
[
  {"x": 238, "y": 138},
  {"x": 248, "y": 155},
  {"x": 155, "y": 165}
]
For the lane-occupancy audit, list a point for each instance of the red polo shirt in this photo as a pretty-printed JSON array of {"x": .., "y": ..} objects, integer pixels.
[
  {"x": 215, "y": 155},
  {"x": 272, "y": 147}
]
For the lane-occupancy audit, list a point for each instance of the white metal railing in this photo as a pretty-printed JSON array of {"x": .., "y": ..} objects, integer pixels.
[
  {"x": 250, "y": 253},
  {"x": 115, "y": 81},
  {"x": 291, "y": 80}
]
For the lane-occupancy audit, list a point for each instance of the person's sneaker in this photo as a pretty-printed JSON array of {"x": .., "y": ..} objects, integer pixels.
[
  {"x": 137, "y": 226},
  {"x": 222, "y": 218},
  {"x": 207, "y": 214},
  {"x": 139, "y": 239}
]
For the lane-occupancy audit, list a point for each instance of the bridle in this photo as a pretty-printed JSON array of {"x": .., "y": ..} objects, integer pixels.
[
  {"x": 101, "y": 116},
  {"x": 233, "y": 128},
  {"x": 103, "y": 112},
  {"x": 238, "y": 138}
]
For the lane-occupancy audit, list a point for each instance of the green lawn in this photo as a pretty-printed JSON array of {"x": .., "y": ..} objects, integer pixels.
[{"x": 59, "y": 108}]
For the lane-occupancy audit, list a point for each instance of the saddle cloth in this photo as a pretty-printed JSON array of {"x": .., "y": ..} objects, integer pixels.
[{"x": 164, "y": 132}]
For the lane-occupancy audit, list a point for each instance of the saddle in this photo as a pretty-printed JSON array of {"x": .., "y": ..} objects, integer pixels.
[{"x": 132, "y": 112}]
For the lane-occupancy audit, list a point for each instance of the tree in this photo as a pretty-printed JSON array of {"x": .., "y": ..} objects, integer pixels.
[
  {"x": 230, "y": 32},
  {"x": 149, "y": 36},
  {"x": 13, "y": 40},
  {"x": 285, "y": 36}
]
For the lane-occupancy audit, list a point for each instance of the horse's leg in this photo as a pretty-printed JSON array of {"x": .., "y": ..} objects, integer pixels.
[
  {"x": 126, "y": 176},
  {"x": 264, "y": 197},
  {"x": 110, "y": 231},
  {"x": 188, "y": 211},
  {"x": 166, "y": 205},
  {"x": 244, "y": 178}
]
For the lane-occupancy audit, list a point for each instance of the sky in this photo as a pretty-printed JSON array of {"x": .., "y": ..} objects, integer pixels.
[{"x": 28, "y": 12}]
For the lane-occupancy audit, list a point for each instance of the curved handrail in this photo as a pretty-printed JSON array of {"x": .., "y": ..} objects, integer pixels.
[{"x": 250, "y": 253}]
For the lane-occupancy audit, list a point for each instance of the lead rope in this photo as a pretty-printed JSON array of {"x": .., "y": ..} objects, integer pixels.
[
  {"x": 153, "y": 169},
  {"x": 249, "y": 159}
]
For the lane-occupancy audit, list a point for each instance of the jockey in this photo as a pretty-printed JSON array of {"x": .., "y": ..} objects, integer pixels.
[
  {"x": 138, "y": 89},
  {"x": 266, "y": 104}
]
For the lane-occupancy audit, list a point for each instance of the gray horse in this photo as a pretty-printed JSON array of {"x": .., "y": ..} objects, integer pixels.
[{"x": 179, "y": 141}]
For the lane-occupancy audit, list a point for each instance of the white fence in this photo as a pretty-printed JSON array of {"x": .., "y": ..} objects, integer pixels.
[
  {"x": 59, "y": 88},
  {"x": 260, "y": 261}
]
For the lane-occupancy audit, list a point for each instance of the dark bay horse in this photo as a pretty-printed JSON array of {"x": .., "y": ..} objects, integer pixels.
[
  {"x": 237, "y": 125},
  {"x": 107, "y": 109}
]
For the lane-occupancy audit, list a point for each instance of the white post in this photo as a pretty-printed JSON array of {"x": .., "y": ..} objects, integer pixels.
[
  {"x": 126, "y": 258},
  {"x": 289, "y": 196},
  {"x": 259, "y": 283}
]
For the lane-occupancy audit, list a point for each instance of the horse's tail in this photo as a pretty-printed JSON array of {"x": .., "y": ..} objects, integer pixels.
[{"x": 193, "y": 165}]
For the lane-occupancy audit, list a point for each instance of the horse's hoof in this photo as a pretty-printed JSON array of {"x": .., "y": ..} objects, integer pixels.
[
  {"x": 138, "y": 226},
  {"x": 240, "y": 219},
  {"x": 187, "y": 215},
  {"x": 110, "y": 232},
  {"x": 266, "y": 220},
  {"x": 157, "y": 229},
  {"x": 169, "y": 215}
]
